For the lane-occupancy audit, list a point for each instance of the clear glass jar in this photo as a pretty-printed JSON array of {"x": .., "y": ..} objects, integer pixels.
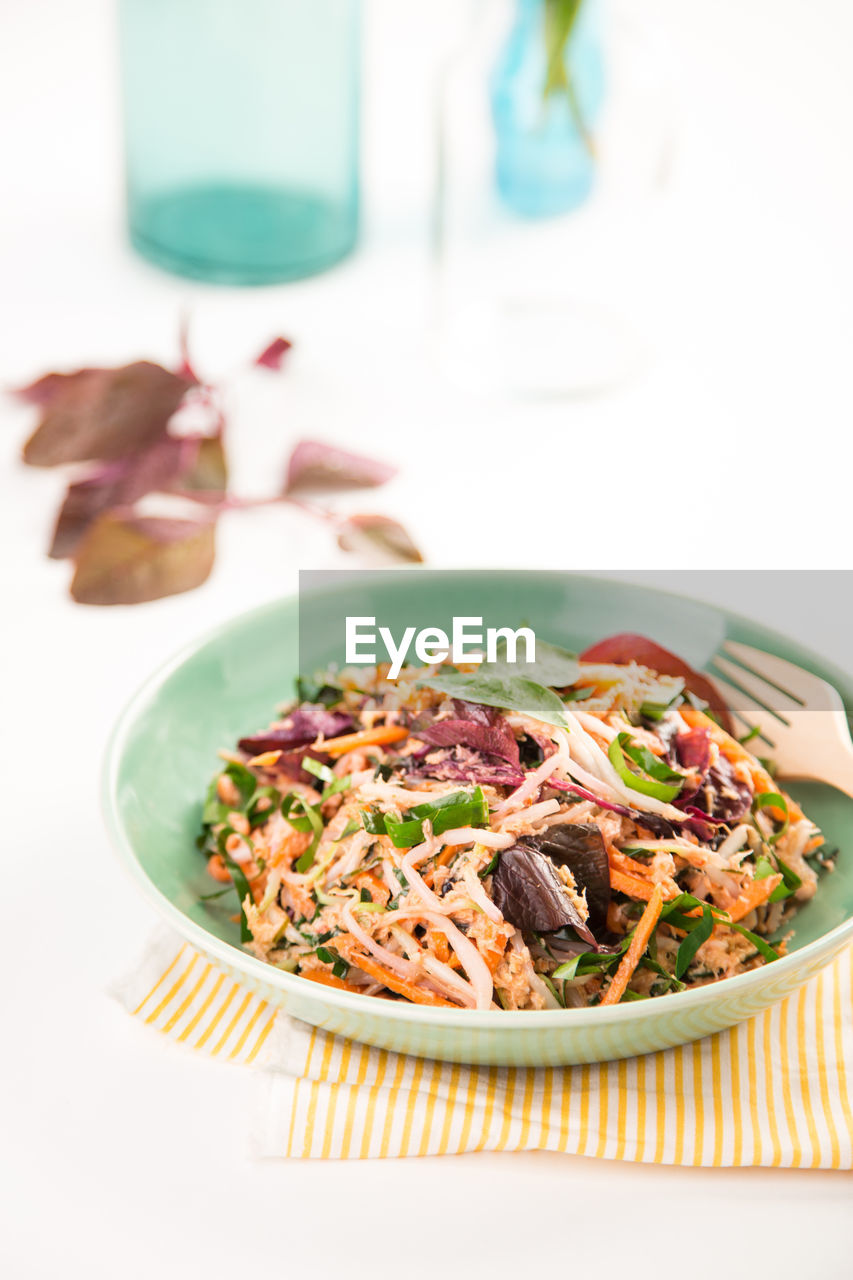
[
  {"x": 241, "y": 129},
  {"x": 539, "y": 230}
]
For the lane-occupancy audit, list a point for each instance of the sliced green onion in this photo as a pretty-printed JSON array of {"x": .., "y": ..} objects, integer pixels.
[
  {"x": 256, "y": 815},
  {"x": 661, "y": 782},
  {"x": 554, "y": 992},
  {"x": 322, "y": 771},
  {"x": 754, "y": 732},
  {"x": 456, "y": 809}
]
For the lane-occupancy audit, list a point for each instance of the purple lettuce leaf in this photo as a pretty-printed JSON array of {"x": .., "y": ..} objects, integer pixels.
[
  {"x": 693, "y": 750},
  {"x": 303, "y": 725},
  {"x": 497, "y": 740},
  {"x": 721, "y": 797}
]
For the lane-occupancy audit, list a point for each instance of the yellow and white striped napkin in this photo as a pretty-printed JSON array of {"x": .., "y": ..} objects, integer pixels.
[{"x": 771, "y": 1091}]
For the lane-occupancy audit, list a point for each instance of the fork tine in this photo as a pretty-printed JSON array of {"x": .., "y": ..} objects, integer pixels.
[
  {"x": 798, "y": 684},
  {"x": 749, "y": 713},
  {"x": 767, "y": 695}
]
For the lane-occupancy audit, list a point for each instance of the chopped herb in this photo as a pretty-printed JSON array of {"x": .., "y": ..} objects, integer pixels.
[
  {"x": 703, "y": 927},
  {"x": 491, "y": 865},
  {"x": 673, "y": 913},
  {"x": 340, "y": 968},
  {"x": 308, "y": 820},
  {"x": 772, "y": 800},
  {"x": 245, "y": 782},
  {"x": 308, "y": 690},
  {"x": 241, "y": 884}
]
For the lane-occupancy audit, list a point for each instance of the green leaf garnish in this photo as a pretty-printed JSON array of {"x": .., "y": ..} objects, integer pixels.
[
  {"x": 554, "y": 668},
  {"x": 510, "y": 693}
]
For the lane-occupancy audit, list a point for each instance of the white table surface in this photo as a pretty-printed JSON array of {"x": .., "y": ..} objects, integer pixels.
[{"x": 122, "y": 1155}]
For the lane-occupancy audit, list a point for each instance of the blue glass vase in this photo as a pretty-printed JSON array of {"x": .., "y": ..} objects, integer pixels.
[
  {"x": 544, "y": 162},
  {"x": 241, "y": 128}
]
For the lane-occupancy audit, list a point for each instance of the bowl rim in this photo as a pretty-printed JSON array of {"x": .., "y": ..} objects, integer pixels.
[{"x": 263, "y": 973}]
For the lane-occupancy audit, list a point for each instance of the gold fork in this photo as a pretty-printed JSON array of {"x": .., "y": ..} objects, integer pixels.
[{"x": 798, "y": 715}]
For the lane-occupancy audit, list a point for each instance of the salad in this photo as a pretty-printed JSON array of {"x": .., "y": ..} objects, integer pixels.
[{"x": 583, "y": 831}]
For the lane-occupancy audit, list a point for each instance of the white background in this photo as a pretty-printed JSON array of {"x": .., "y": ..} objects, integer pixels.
[{"x": 120, "y": 1154}]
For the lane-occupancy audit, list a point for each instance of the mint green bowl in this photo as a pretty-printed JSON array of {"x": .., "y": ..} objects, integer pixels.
[{"x": 163, "y": 752}]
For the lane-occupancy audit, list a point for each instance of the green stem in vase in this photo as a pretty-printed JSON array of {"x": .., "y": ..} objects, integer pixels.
[{"x": 560, "y": 20}]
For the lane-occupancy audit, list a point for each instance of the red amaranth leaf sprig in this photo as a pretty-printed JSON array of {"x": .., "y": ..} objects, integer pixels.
[{"x": 125, "y": 424}]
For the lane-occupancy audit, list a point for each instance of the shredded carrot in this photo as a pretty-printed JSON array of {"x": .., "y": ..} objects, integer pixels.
[
  {"x": 495, "y": 954},
  {"x": 622, "y": 862},
  {"x": 384, "y": 734},
  {"x": 755, "y": 893},
  {"x": 265, "y": 759},
  {"x": 216, "y": 867},
  {"x": 377, "y": 888},
  {"x": 644, "y": 930},
  {"x": 640, "y": 887},
  {"x": 394, "y": 983},
  {"x": 329, "y": 980},
  {"x": 447, "y": 854},
  {"x": 439, "y": 945},
  {"x": 736, "y": 753}
]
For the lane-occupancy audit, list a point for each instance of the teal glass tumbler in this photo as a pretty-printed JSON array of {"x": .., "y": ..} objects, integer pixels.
[{"x": 241, "y": 135}]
